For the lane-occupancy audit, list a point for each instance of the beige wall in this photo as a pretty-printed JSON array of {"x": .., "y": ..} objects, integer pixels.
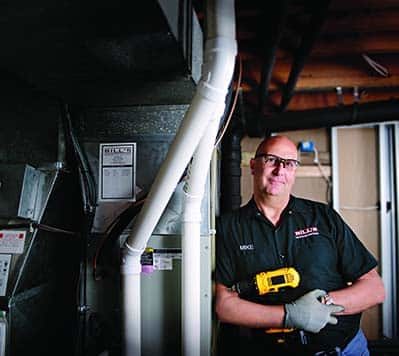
[{"x": 358, "y": 197}]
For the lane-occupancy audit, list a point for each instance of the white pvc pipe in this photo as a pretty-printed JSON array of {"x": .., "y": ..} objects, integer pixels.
[
  {"x": 132, "y": 292},
  {"x": 220, "y": 19},
  {"x": 191, "y": 243},
  {"x": 211, "y": 92}
]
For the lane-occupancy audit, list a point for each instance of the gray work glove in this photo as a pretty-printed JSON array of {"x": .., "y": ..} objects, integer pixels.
[{"x": 309, "y": 314}]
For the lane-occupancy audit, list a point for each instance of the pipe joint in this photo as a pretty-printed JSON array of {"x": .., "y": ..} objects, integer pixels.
[
  {"x": 130, "y": 261},
  {"x": 194, "y": 198},
  {"x": 222, "y": 44},
  {"x": 192, "y": 191},
  {"x": 210, "y": 92},
  {"x": 218, "y": 68},
  {"x": 192, "y": 211}
]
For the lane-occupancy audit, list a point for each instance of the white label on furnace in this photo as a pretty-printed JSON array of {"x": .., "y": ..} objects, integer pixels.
[
  {"x": 4, "y": 269},
  {"x": 117, "y": 175},
  {"x": 12, "y": 241},
  {"x": 164, "y": 261}
]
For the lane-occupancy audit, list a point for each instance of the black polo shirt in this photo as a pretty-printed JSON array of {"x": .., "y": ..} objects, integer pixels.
[{"x": 311, "y": 237}]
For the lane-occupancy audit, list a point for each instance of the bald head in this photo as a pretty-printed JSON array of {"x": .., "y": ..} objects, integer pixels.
[{"x": 283, "y": 142}]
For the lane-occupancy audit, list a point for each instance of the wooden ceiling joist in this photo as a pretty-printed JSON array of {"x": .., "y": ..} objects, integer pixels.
[
  {"x": 374, "y": 43},
  {"x": 324, "y": 83},
  {"x": 352, "y": 28},
  {"x": 321, "y": 74},
  {"x": 363, "y": 21},
  {"x": 319, "y": 100}
]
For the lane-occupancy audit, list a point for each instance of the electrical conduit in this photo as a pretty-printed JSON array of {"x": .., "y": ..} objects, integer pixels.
[{"x": 219, "y": 58}]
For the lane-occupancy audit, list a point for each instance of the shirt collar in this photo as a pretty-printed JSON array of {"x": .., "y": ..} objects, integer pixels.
[{"x": 251, "y": 210}]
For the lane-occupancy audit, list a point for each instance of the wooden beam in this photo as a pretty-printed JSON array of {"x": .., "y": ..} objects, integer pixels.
[
  {"x": 319, "y": 100},
  {"x": 362, "y": 20},
  {"x": 353, "y": 79},
  {"x": 322, "y": 74},
  {"x": 372, "y": 43}
]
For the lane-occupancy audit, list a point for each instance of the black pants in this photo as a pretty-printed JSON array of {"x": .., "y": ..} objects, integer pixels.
[{"x": 234, "y": 341}]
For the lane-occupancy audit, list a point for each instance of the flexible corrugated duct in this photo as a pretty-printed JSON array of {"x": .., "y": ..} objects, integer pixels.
[{"x": 208, "y": 104}]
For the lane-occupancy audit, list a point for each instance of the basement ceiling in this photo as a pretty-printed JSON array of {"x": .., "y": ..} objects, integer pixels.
[{"x": 344, "y": 51}]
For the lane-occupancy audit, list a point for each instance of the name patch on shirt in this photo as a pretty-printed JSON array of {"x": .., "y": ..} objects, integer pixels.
[
  {"x": 309, "y": 231},
  {"x": 246, "y": 247}
]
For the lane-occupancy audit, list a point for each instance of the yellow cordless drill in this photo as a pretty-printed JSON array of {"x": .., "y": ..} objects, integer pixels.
[{"x": 269, "y": 282}]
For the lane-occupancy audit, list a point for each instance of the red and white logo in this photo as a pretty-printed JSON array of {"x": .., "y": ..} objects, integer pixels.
[{"x": 309, "y": 231}]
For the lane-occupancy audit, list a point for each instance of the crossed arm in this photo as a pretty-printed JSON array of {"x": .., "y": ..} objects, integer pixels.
[
  {"x": 364, "y": 293},
  {"x": 230, "y": 308}
]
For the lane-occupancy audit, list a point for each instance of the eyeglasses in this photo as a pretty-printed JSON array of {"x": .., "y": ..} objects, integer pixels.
[{"x": 275, "y": 161}]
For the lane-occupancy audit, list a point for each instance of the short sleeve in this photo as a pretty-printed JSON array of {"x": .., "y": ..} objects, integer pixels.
[
  {"x": 354, "y": 258},
  {"x": 225, "y": 266}
]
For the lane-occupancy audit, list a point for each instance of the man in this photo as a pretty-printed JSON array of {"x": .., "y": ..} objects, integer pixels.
[{"x": 275, "y": 230}]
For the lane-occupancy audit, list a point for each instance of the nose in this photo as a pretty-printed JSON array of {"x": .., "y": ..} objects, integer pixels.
[{"x": 278, "y": 165}]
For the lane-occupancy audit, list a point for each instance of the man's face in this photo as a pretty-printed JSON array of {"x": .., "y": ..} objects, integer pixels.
[{"x": 271, "y": 176}]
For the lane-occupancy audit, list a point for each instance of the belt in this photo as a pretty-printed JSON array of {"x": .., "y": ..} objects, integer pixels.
[{"x": 297, "y": 342}]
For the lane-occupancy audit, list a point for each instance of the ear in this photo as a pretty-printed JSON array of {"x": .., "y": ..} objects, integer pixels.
[{"x": 252, "y": 166}]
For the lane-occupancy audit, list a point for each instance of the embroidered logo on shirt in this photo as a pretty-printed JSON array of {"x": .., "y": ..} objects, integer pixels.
[
  {"x": 247, "y": 247},
  {"x": 309, "y": 231}
]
